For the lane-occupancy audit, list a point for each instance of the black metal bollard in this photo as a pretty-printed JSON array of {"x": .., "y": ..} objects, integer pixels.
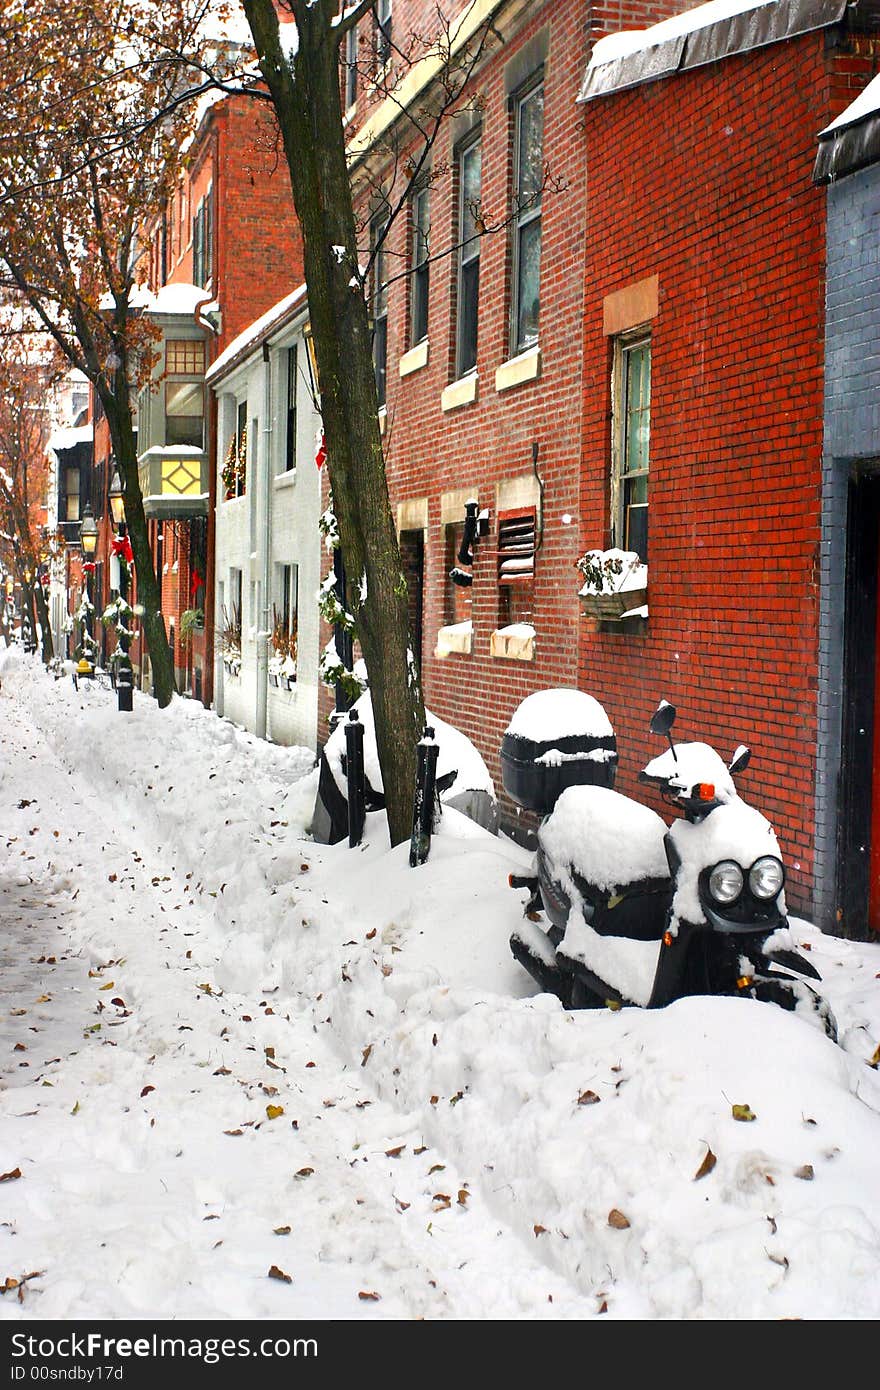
[
  {"x": 124, "y": 690},
  {"x": 424, "y": 800},
  {"x": 354, "y": 756}
]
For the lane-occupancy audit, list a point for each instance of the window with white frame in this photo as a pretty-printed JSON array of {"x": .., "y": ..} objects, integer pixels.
[
  {"x": 631, "y": 438},
  {"x": 419, "y": 267},
  {"x": 470, "y": 186},
  {"x": 528, "y": 165}
]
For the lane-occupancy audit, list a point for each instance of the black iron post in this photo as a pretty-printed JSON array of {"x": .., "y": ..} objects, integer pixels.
[
  {"x": 124, "y": 682},
  {"x": 425, "y": 799},
  {"x": 354, "y": 762}
]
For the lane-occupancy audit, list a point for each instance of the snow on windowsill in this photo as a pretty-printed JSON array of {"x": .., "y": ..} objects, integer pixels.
[
  {"x": 286, "y": 479},
  {"x": 516, "y": 642},
  {"x": 455, "y": 638}
]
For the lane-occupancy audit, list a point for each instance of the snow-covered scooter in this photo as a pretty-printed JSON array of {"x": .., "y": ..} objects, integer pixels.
[{"x": 638, "y": 913}]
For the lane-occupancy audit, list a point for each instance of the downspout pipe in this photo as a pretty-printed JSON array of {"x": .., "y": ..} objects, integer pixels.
[{"x": 264, "y": 546}]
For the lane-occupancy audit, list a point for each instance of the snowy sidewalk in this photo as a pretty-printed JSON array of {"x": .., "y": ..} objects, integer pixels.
[
  {"x": 177, "y": 1143},
  {"x": 213, "y": 1030}
]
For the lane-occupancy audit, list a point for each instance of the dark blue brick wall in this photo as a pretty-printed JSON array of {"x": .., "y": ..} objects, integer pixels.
[{"x": 852, "y": 433}]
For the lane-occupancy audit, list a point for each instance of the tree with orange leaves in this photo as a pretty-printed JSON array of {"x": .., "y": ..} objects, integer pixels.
[
  {"x": 91, "y": 129},
  {"x": 26, "y": 378}
]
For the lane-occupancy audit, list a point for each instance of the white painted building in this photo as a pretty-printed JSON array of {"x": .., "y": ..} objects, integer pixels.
[{"x": 267, "y": 549}]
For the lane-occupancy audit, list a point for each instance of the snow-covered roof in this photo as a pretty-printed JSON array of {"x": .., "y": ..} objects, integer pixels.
[
  {"x": 71, "y": 436},
  {"x": 718, "y": 29},
  {"x": 852, "y": 141},
  {"x": 867, "y": 103},
  {"x": 256, "y": 332}
]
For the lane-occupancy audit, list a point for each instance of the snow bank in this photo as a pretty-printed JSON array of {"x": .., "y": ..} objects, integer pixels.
[
  {"x": 609, "y": 839},
  {"x": 559, "y": 713}
]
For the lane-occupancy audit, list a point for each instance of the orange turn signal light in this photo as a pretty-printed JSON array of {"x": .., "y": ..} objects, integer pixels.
[
  {"x": 705, "y": 791},
  {"x": 744, "y": 981},
  {"x": 667, "y": 938}
]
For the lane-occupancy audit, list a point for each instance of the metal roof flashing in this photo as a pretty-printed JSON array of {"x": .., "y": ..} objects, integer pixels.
[{"x": 723, "y": 38}]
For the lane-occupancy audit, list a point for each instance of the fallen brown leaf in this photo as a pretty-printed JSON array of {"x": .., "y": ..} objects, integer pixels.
[
  {"x": 588, "y": 1098},
  {"x": 276, "y": 1273},
  {"x": 617, "y": 1220},
  {"x": 11, "y": 1175},
  {"x": 707, "y": 1164}
]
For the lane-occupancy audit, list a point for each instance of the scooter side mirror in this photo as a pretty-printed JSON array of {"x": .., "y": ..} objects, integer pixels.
[
  {"x": 740, "y": 760},
  {"x": 663, "y": 718}
]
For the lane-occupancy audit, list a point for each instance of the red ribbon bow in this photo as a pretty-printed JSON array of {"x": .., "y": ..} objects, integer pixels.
[{"x": 121, "y": 546}]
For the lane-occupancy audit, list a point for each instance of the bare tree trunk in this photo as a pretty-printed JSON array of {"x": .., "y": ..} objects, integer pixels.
[
  {"x": 149, "y": 594},
  {"x": 310, "y": 118},
  {"x": 48, "y": 650}
]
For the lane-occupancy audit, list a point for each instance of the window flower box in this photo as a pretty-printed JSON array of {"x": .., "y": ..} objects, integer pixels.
[{"x": 615, "y": 583}]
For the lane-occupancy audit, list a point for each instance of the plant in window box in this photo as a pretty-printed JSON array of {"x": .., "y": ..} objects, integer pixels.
[
  {"x": 230, "y": 639},
  {"x": 191, "y": 620},
  {"x": 280, "y": 639},
  {"x": 615, "y": 582}
]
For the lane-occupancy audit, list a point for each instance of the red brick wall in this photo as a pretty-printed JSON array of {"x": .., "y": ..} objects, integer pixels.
[
  {"x": 704, "y": 180},
  {"x": 429, "y": 452}
]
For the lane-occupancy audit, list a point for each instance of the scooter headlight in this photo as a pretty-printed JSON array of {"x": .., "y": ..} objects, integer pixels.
[
  {"x": 726, "y": 881},
  {"x": 766, "y": 877}
]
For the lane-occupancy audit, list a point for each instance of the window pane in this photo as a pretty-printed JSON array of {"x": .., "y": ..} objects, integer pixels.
[
  {"x": 351, "y": 53},
  {"x": 530, "y": 162},
  {"x": 290, "y": 459},
  {"x": 528, "y": 282},
  {"x": 380, "y": 353},
  {"x": 184, "y": 398},
  {"x": 470, "y": 192},
  {"x": 467, "y": 316},
  {"x": 638, "y": 409},
  {"x": 184, "y": 358},
  {"x": 420, "y": 267}
]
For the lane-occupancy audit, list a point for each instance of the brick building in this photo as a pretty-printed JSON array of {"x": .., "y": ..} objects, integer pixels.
[
  {"x": 661, "y": 234},
  {"x": 477, "y": 335},
  {"x": 224, "y": 251}
]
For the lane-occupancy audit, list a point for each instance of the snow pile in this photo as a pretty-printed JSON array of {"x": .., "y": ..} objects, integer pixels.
[
  {"x": 732, "y": 831},
  {"x": 559, "y": 713},
  {"x": 609, "y": 839},
  {"x": 689, "y": 765},
  {"x": 456, "y": 754},
  {"x": 448, "y": 1139},
  {"x": 620, "y": 45}
]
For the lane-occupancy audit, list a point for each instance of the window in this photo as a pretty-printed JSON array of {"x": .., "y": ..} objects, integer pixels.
[
  {"x": 234, "y": 471},
  {"x": 468, "y": 289},
  {"x": 351, "y": 74},
  {"x": 383, "y": 32},
  {"x": 631, "y": 435},
  {"x": 285, "y": 625},
  {"x": 71, "y": 495},
  {"x": 203, "y": 240},
  {"x": 290, "y": 438},
  {"x": 380, "y": 309},
  {"x": 420, "y": 269},
  {"x": 528, "y": 183},
  {"x": 184, "y": 413},
  {"x": 458, "y": 598},
  {"x": 184, "y": 357}
]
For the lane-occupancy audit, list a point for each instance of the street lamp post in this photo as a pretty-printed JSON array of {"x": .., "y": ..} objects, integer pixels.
[
  {"x": 88, "y": 538},
  {"x": 122, "y": 552}
]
